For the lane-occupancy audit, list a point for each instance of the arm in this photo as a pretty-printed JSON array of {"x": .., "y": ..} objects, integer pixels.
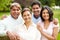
[
  {"x": 53, "y": 37},
  {"x": 2, "y": 29},
  {"x": 11, "y": 35},
  {"x": 55, "y": 32},
  {"x": 55, "y": 21},
  {"x": 38, "y": 37}
]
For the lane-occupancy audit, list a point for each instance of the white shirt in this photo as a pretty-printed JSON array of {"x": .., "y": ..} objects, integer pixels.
[
  {"x": 29, "y": 34},
  {"x": 8, "y": 24},
  {"x": 49, "y": 30},
  {"x": 36, "y": 20}
]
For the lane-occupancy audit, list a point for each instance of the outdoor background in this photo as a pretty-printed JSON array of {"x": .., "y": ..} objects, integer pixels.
[{"x": 54, "y": 4}]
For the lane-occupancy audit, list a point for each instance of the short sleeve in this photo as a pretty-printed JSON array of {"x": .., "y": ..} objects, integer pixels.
[{"x": 56, "y": 25}]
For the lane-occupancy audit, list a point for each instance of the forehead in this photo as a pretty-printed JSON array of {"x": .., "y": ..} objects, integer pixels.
[
  {"x": 45, "y": 10},
  {"x": 26, "y": 12},
  {"x": 14, "y": 7},
  {"x": 35, "y": 6}
]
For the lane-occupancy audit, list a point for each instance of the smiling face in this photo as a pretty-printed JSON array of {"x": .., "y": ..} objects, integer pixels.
[
  {"x": 27, "y": 16},
  {"x": 45, "y": 14},
  {"x": 36, "y": 9},
  {"x": 15, "y": 12}
]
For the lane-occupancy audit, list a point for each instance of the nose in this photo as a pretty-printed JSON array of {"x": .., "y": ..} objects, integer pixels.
[
  {"x": 16, "y": 11},
  {"x": 26, "y": 16},
  {"x": 35, "y": 9}
]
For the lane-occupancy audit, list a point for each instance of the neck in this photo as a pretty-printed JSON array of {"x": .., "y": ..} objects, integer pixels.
[
  {"x": 46, "y": 21},
  {"x": 28, "y": 24},
  {"x": 36, "y": 16}
]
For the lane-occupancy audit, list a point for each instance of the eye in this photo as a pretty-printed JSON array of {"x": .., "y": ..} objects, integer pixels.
[
  {"x": 43, "y": 12},
  {"x": 23, "y": 15},
  {"x": 47, "y": 12},
  {"x": 28, "y": 15},
  {"x": 17, "y": 9},
  {"x": 14, "y": 10},
  {"x": 37, "y": 8},
  {"x": 33, "y": 8}
]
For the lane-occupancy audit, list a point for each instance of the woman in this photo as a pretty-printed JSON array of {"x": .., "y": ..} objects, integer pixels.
[
  {"x": 28, "y": 30},
  {"x": 47, "y": 28}
]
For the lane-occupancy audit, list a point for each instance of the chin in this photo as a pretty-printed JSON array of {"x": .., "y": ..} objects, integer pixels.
[
  {"x": 16, "y": 18},
  {"x": 27, "y": 21}
]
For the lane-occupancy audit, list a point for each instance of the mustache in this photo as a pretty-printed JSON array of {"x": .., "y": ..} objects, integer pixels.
[{"x": 36, "y": 11}]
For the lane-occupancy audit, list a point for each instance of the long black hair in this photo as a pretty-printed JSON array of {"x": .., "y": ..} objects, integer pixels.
[{"x": 49, "y": 12}]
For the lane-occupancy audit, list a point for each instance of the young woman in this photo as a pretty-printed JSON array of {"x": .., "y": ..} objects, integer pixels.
[
  {"x": 47, "y": 28},
  {"x": 28, "y": 30}
]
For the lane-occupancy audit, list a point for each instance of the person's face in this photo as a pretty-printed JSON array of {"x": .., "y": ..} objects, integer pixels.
[
  {"x": 15, "y": 12},
  {"x": 36, "y": 9},
  {"x": 27, "y": 16},
  {"x": 45, "y": 14}
]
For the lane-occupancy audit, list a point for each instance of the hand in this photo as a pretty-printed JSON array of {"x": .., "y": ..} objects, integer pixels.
[
  {"x": 55, "y": 21},
  {"x": 11, "y": 35},
  {"x": 18, "y": 37},
  {"x": 39, "y": 27}
]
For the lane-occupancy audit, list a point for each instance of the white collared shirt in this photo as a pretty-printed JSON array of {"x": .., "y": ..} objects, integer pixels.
[
  {"x": 8, "y": 24},
  {"x": 28, "y": 34},
  {"x": 35, "y": 20}
]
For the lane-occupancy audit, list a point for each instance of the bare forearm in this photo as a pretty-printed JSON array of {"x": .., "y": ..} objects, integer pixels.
[{"x": 48, "y": 36}]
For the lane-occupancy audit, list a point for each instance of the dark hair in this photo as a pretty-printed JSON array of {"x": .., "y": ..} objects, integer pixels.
[
  {"x": 36, "y": 3},
  {"x": 25, "y": 9},
  {"x": 49, "y": 12}
]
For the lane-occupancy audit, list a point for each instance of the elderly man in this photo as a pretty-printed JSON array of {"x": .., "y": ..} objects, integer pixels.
[{"x": 9, "y": 23}]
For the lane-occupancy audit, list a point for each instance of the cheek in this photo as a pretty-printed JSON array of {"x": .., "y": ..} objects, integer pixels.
[
  {"x": 42, "y": 15},
  {"x": 24, "y": 18},
  {"x": 12, "y": 12},
  {"x": 30, "y": 17},
  {"x": 19, "y": 11},
  {"x": 40, "y": 10},
  {"x": 47, "y": 15}
]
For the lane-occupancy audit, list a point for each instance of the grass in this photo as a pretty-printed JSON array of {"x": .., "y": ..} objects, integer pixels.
[
  {"x": 58, "y": 38},
  {"x": 56, "y": 15}
]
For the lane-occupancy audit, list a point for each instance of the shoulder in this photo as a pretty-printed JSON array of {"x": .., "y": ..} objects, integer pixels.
[
  {"x": 52, "y": 24},
  {"x": 40, "y": 22},
  {"x": 33, "y": 24},
  {"x": 5, "y": 20}
]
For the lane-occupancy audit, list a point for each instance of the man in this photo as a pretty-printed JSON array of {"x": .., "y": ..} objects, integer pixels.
[
  {"x": 8, "y": 24},
  {"x": 36, "y": 8}
]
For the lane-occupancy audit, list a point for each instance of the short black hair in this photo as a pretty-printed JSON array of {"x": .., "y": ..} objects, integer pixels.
[
  {"x": 26, "y": 9},
  {"x": 36, "y": 3},
  {"x": 49, "y": 12}
]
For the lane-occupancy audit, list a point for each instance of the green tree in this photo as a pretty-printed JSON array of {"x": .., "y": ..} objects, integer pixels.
[
  {"x": 57, "y": 2},
  {"x": 25, "y": 3},
  {"x": 48, "y": 2},
  {"x": 4, "y": 5}
]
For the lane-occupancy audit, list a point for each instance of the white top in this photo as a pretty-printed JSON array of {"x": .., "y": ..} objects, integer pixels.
[
  {"x": 8, "y": 24},
  {"x": 29, "y": 34},
  {"x": 36, "y": 20},
  {"x": 49, "y": 30}
]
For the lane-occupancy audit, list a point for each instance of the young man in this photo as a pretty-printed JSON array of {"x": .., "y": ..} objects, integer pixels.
[{"x": 36, "y": 8}]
